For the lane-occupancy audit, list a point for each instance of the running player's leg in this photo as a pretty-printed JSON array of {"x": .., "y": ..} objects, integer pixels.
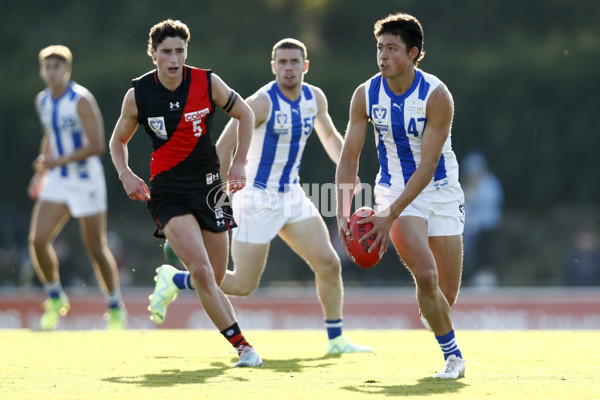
[
  {"x": 47, "y": 220},
  {"x": 93, "y": 233},
  {"x": 409, "y": 236},
  {"x": 249, "y": 260},
  {"x": 217, "y": 248},
  {"x": 190, "y": 244},
  {"x": 184, "y": 234},
  {"x": 259, "y": 216},
  {"x": 316, "y": 249},
  {"x": 447, "y": 251}
]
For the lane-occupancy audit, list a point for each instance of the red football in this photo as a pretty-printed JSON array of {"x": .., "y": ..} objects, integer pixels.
[{"x": 357, "y": 231}]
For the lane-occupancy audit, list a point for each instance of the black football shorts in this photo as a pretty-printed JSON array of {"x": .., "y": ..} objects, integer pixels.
[{"x": 211, "y": 210}]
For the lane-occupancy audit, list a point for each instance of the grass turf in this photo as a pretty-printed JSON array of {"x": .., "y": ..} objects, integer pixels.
[{"x": 166, "y": 364}]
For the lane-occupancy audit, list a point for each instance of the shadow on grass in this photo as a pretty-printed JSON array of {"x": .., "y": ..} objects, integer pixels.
[
  {"x": 298, "y": 364},
  {"x": 424, "y": 387},
  {"x": 172, "y": 377}
]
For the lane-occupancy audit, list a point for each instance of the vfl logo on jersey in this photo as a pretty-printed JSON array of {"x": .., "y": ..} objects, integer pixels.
[
  {"x": 282, "y": 123},
  {"x": 379, "y": 116},
  {"x": 219, "y": 213},
  {"x": 157, "y": 124}
]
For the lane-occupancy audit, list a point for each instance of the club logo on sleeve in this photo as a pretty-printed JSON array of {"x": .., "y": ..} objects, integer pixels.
[{"x": 157, "y": 124}]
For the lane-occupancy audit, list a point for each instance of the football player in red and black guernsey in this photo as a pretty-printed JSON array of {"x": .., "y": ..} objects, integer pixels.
[{"x": 176, "y": 103}]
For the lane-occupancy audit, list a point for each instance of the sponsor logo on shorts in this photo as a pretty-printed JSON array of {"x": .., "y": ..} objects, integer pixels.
[{"x": 442, "y": 183}]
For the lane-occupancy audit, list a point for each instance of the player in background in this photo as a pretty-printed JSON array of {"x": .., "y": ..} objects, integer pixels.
[
  {"x": 176, "y": 103},
  {"x": 69, "y": 182},
  {"x": 420, "y": 204},
  {"x": 273, "y": 202}
]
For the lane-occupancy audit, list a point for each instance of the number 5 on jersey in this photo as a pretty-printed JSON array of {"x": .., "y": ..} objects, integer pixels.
[{"x": 198, "y": 128}]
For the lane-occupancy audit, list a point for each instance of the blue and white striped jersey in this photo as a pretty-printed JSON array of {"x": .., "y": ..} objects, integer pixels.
[
  {"x": 399, "y": 124},
  {"x": 276, "y": 151},
  {"x": 65, "y": 131}
]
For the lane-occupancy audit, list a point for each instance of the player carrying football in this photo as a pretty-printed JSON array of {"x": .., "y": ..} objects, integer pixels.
[{"x": 420, "y": 204}]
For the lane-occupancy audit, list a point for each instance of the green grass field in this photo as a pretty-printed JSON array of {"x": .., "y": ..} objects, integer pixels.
[{"x": 169, "y": 364}]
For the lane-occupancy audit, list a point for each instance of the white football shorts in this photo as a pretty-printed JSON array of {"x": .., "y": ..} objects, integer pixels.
[
  {"x": 443, "y": 209},
  {"x": 261, "y": 213},
  {"x": 83, "y": 196}
]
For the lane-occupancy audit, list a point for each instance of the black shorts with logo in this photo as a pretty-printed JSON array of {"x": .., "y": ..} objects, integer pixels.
[{"x": 212, "y": 210}]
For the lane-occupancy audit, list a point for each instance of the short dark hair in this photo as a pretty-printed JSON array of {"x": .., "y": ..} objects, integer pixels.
[
  {"x": 405, "y": 26},
  {"x": 289, "y": 43},
  {"x": 164, "y": 29}
]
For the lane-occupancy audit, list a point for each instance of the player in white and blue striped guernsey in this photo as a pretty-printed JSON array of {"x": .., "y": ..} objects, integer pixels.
[
  {"x": 420, "y": 204},
  {"x": 273, "y": 202},
  {"x": 69, "y": 182}
]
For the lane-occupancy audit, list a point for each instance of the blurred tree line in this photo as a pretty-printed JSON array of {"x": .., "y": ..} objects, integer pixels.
[{"x": 522, "y": 75}]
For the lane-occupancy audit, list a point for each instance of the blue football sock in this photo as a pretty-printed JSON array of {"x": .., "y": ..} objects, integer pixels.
[
  {"x": 53, "y": 289},
  {"x": 114, "y": 299},
  {"x": 334, "y": 328},
  {"x": 182, "y": 280},
  {"x": 448, "y": 345}
]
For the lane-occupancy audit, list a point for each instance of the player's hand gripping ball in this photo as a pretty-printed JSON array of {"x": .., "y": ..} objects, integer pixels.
[{"x": 359, "y": 251}]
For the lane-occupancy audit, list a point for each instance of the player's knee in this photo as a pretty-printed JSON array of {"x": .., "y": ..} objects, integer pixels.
[
  {"x": 37, "y": 242},
  {"x": 426, "y": 280},
  {"x": 246, "y": 290},
  {"x": 329, "y": 265},
  {"x": 202, "y": 274},
  {"x": 242, "y": 288}
]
